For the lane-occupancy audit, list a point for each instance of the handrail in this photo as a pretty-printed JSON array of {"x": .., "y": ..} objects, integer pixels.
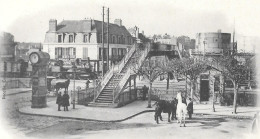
[
  {"x": 120, "y": 85},
  {"x": 112, "y": 70},
  {"x": 125, "y": 59}
]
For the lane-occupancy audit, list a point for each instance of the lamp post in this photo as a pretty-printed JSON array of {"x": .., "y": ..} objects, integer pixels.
[
  {"x": 74, "y": 70},
  {"x": 204, "y": 42},
  {"x": 87, "y": 86}
]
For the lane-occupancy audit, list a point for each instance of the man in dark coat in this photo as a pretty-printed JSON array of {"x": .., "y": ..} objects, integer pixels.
[
  {"x": 59, "y": 100},
  {"x": 66, "y": 102},
  {"x": 190, "y": 108},
  {"x": 145, "y": 91}
]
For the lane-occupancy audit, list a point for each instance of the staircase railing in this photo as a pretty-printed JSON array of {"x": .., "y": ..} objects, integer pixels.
[
  {"x": 121, "y": 84},
  {"x": 125, "y": 59},
  {"x": 115, "y": 68}
]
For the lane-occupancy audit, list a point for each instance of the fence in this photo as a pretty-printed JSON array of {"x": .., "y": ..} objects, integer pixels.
[
  {"x": 82, "y": 97},
  {"x": 18, "y": 83},
  {"x": 244, "y": 98},
  {"x": 127, "y": 97}
]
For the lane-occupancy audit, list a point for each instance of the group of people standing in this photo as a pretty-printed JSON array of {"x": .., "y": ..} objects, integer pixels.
[{"x": 63, "y": 100}]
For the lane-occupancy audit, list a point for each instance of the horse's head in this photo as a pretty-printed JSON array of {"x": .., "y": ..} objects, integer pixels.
[{"x": 179, "y": 97}]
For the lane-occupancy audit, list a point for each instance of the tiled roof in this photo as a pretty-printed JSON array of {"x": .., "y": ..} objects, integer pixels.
[{"x": 76, "y": 26}]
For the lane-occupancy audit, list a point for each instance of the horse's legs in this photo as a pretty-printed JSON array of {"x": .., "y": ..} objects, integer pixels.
[
  {"x": 169, "y": 115},
  {"x": 160, "y": 117},
  {"x": 184, "y": 115},
  {"x": 172, "y": 116}
]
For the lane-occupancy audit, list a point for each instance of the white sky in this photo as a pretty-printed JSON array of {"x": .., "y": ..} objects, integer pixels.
[{"x": 28, "y": 20}]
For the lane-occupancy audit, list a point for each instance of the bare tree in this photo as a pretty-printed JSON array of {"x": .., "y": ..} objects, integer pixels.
[
  {"x": 235, "y": 71},
  {"x": 190, "y": 68},
  {"x": 150, "y": 70}
]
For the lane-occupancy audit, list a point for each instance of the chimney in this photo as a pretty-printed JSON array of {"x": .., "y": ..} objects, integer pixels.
[
  {"x": 87, "y": 24},
  {"x": 53, "y": 25},
  {"x": 118, "y": 22}
]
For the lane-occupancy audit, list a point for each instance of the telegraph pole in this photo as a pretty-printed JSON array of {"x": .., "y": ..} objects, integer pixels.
[
  {"x": 107, "y": 39},
  {"x": 102, "y": 50}
]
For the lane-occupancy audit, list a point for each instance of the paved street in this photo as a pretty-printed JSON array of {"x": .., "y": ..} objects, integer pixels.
[
  {"x": 143, "y": 126},
  {"x": 140, "y": 126}
]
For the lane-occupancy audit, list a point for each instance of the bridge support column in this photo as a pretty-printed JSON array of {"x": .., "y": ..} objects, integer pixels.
[
  {"x": 135, "y": 87},
  {"x": 130, "y": 94}
]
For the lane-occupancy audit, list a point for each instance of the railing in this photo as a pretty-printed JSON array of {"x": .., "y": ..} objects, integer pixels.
[
  {"x": 121, "y": 84},
  {"x": 207, "y": 52},
  {"x": 104, "y": 81},
  {"x": 125, "y": 59},
  {"x": 115, "y": 68}
]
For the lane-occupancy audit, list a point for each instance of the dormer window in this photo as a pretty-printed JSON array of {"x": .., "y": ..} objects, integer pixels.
[
  {"x": 114, "y": 40},
  {"x": 59, "y": 38},
  {"x": 71, "y": 40},
  {"x": 85, "y": 38}
]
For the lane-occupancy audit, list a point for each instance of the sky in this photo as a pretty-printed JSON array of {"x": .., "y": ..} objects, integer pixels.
[{"x": 28, "y": 20}]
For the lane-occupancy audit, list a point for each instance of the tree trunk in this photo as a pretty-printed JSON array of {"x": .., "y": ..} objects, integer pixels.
[
  {"x": 168, "y": 82},
  {"x": 235, "y": 97},
  {"x": 213, "y": 99},
  {"x": 149, "y": 95},
  {"x": 186, "y": 90},
  {"x": 191, "y": 88}
]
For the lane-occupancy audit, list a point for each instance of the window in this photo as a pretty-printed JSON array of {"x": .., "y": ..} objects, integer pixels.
[
  {"x": 104, "y": 52},
  {"x": 74, "y": 51},
  {"x": 85, "y": 38},
  {"x": 123, "y": 40},
  {"x": 114, "y": 51},
  {"x": 119, "y": 40},
  {"x": 110, "y": 38},
  {"x": 114, "y": 40},
  {"x": 85, "y": 52},
  {"x": 100, "y": 40},
  {"x": 59, "y": 38},
  {"x": 70, "y": 38}
]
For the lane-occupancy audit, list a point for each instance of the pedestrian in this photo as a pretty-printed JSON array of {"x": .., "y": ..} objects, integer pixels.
[
  {"x": 66, "y": 102},
  {"x": 145, "y": 91},
  {"x": 190, "y": 108},
  {"x": 59, "y": 100}
]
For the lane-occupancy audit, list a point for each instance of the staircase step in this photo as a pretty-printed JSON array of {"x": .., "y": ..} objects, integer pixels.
[{"x": 96, "y": 104}]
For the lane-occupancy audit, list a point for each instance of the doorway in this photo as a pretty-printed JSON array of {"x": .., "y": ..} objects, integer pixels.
[{"x": 204, "y": 90}]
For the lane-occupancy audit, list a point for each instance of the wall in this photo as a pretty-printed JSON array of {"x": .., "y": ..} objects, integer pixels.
[{"x": 213, "y": 41}]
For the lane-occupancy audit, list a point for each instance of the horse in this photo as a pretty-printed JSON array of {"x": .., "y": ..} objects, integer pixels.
[
  {"x": 181, "y": 109},
  {"x": 165, "y": 107},
  {"x": 64, "y": 85}
]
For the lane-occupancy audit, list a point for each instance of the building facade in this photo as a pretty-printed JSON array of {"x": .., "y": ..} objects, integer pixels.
[
  {"x": 209, "y": 45},
  {"x": 212, "y": 43},
  {"x": 82, "y": 39}
]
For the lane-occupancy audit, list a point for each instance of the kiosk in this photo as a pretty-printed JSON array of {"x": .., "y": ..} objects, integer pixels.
[{"x": 39, "y": 62}]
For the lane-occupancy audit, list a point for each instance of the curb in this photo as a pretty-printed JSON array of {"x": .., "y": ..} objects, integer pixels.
[
  {"x": 227, "y": 116},
  {"x": 18, "y": 93},
  {"x": 84, "y": 119}
]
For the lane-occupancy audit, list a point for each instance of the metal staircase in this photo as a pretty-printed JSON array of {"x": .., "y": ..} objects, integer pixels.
[{"x": 118, "y": 75}]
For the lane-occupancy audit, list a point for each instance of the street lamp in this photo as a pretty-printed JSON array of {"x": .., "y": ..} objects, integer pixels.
[
  {"x": 204, "y": 42},
  {"x": 74, "y": 67}
]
